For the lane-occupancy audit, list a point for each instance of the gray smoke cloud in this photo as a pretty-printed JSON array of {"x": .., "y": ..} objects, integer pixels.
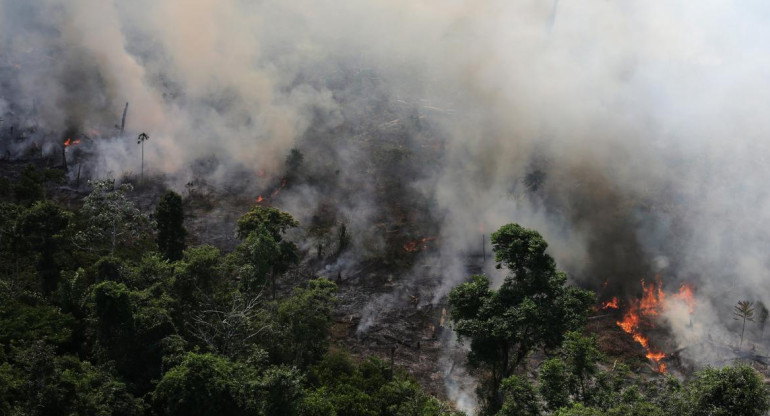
[{"x": 631, "y": 134}]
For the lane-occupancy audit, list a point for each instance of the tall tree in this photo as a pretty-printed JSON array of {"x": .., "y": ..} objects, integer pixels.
[
  {"x": 744, "y": 311},
  {"x": 275, "y": 223},
  {"x": 533, "y": 308},
  {"x": 42, "y": 228},
  {"x": 111, "y": 219},
  {"x": 170, "y": 222}
]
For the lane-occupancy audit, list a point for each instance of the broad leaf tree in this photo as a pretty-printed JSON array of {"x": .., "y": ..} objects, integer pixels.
[
  {"x": 533, "y": 308},
  {"x": 111, "y": 219}
]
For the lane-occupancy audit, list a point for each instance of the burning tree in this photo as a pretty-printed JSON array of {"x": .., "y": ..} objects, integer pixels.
[{"x": 533, "y": 308}]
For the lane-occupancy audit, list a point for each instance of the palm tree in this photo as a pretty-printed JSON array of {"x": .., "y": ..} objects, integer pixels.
[
  {"x": 141, "y": 139},
  {"x": 744, "y": 310}
]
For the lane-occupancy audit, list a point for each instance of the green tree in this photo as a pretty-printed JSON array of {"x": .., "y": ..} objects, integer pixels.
[
  {"x": 29, "y": 189},
  {"x": 110, "y": 219},
  {"x": 170, "y": 222},
  {"x": 743, "y": 311},
  {"x": 42, "y": 227},
  {"x": 39, "y": 382},
  {"x": 258, "y": 257},
  {"x": 554, "y": 383},
  {"x": 205, "y": 385},
  {"x": 302, "y": 322},
  {"x": 582, "y": 357},
  {"x": 275, "y": 223},
  {"x": 532, "y": 308},
  {"x": 736, "y": 390},
  {"x": 519, "y": 398}
]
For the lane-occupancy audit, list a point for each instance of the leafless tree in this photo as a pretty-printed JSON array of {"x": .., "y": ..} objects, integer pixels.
[{"x": 230, "y": 329}]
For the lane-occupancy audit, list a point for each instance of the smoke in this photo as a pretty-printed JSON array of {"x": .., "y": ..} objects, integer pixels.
[{"x": 631, "y": 134}]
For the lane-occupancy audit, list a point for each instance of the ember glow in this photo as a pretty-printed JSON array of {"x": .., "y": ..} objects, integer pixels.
[
  {"x": 417, "y": 245},
  {"x": 611, "y": 304},
  {"x": 70, "y": 142}
]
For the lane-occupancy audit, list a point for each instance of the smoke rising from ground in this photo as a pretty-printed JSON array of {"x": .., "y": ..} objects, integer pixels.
[{"x": 633, "y": 135}]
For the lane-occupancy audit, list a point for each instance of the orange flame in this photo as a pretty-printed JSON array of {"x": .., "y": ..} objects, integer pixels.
[
  {"x": 70, "y": 142},
  {"x": 686, "y": 295},
  {"x": 417, "y": 245},
  {"x": 640, "y": 312},
  {"x": 260, "y": 199},
  {"x": 611, "y": 304}
]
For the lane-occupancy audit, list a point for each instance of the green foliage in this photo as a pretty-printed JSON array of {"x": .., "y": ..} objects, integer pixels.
[
  {"x": 519, "y": 398},
  {"x": 582, "y": 356},
  {"x": 22, "y": 322},
  {"x": 346, "y": 388},
  {"x": 170, "y": 222},
  {"x": 737, "y": 390},
  {"x": 264, "y": 250},
  {"x": 533, "y": 307},
  {"x": 37, "y": 381},
  {"x": 41, "y": 229},
  {"x": 554, "y": 383},
  {"x": 110, "y": 220},
  {"x": 300, "y": 336},
  {"x": 204, "y": 385},
  {"x": 29, "y": 189},
  {"x": 276, "y": 222},
  {"x": 118, "y": 328}
]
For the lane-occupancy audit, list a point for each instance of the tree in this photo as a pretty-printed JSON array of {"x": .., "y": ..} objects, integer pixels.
[
  {"x": 170, "y": 222},
  {"x": 204, "y": 385},
  {"x": 302, "y": 324},
  {"x": 42, "y": 227},
  {"x": 533, "y": 307},
  {"x": 111, "y": 219},
  {"x": 519, "y": 398},
  {"x": 143, "y": 137},
  {"x": 263, "y": 229},
  {"x": 230, "y": 329},
  {"x": 744, "y": 311},
  {"x": 737, "y": 390},
  {"x": 581, "y": 356},
  {"x": 29, "y": 189},
  {"x": 36, "y": 381},
  {"x": 554, "y": 383}
]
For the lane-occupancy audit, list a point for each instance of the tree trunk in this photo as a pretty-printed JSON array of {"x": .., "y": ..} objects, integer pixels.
[
  {"x": 740, "y": 347},
  {"x": 114, "y": 232}
]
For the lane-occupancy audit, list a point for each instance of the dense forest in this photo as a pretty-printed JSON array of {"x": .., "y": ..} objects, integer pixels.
[{"x": 107, "y": 309}]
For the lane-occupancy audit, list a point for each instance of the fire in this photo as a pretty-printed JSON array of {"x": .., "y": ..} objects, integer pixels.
[
  {"x": 417, "y": 245},
  {"x": 686, "y": 295},
  {"x": 611, "y": 304},
  {"x": 642, "y": 312},
  {"x": 70, "y": 142},
  {"x": 639, "y": 314},
  {"x": 260, "y": 199}
]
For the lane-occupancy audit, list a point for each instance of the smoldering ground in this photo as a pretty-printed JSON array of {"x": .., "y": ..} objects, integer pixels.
[{"x": 631, "y": 134}]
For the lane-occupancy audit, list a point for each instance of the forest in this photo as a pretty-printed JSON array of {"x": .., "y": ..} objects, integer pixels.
[
  {"x": 384, "y": 207},
  {"x": 107, "y": 309}
]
